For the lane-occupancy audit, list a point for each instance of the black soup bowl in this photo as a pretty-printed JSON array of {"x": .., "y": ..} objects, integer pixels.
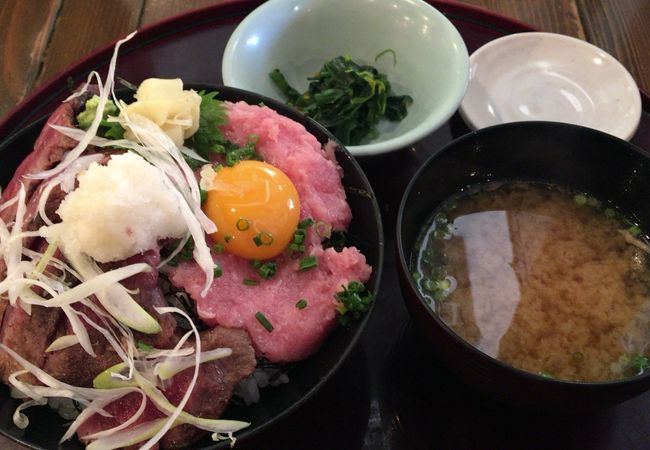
[{"x": 568, "y": 155}]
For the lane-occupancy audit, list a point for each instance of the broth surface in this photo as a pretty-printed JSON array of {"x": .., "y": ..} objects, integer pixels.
[{"x": 541, "y": 279}]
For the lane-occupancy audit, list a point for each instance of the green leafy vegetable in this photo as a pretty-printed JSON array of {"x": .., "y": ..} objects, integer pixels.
[
  {"x": 186, "y": 253},
  {"x": 109, "y": 130},
  {"x": 209, "y": 139},
  {"x": 347, "y": 98},
  {"x": 336, "y": 240},
  {"x": 354, "y": 302}
]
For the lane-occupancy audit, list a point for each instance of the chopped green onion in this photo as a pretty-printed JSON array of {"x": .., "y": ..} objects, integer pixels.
[
  {"x": 577, "y": 357},
  {"x": 299, "y": 236},
  {"x": 249, "y": 282},
  {"x": 227, "y": 238},
  {"x": 268, "y": 269},
  {"x": 144, "y": 346},
  {"x": 218, "y": 248},
  {"x": 634, "y": 230},
  {"x": 301, "y": 304},
  {"x": 580, "y": 199},
  {"x": 297, "y": 247},
  {"x": 204, "y": 196},
  {"x": 609, "y": 213},
  {"x": 263, "y": 238},
  {"x": 243, "y": 224},
  {"x": 323, "y": 229},
  {"x": 261, "y": 318},
  {"x": 217, "y": 271},
  {"x": 306, "y": 223},
  {"x": 307, "y": 262}
]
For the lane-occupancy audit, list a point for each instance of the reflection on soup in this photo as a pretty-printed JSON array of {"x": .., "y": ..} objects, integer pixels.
[{"x": 548, "y": 281}]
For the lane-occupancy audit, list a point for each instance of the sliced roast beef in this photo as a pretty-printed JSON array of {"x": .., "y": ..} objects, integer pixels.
[
  {"x": 208, "y": 399},
  {"x": 215, "y": 383},
  {"x": 49, "y": 149},
  {"x": 73, "y": 365},
  {"x": 28, "y": 335}
]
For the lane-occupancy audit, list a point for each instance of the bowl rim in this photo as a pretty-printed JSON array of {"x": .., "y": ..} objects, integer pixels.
[
  {"x": 401, "y": 251},
  {"x": 476, "y": 120},
  {"x": 424, "y": 128}
]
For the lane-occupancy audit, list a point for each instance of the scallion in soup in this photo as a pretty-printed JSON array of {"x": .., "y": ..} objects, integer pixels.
[{"x": 547, "y": 280}]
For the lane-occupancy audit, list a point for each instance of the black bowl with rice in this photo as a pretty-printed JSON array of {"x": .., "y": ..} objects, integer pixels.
[{"x": 523, "y": 260}]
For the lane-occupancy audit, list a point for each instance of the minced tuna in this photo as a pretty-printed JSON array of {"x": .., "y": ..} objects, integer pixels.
[{"x": 296, "y": 332}]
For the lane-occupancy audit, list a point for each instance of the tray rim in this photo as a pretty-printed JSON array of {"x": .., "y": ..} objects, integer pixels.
[{"x": 229, "y": 10}]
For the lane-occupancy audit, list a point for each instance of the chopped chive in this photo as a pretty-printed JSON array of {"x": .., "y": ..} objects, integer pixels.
[
  {"x": 268, "y": 269},
  {"x": 307, "y": 262},
  {"x": 297, "y": 247},
  {"x": 299, "y": 236},
  {"x": 256, "y": 263},
  {"x": 217, "y": 271},
  {"x": 204, "y": 196},
  {"x": 227, "y": 238},
  {"x": 263, "y": 238},
  {"x": 243, "y": 224},
  {"x": 249, "y": 282},
  {"x": 306, "y": 223},
  {"x": 218, "y": 248},
  {"x": 261, "y": 318},
  {"x": 301, "y": 304}
]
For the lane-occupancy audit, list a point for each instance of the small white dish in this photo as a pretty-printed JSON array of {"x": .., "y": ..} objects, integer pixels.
[
  {"x": 299, "y": 36},
  {"x": 551, "y": 77}
]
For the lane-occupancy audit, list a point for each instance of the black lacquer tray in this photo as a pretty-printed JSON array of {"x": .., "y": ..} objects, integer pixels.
[{"x": 391, "y": 393}]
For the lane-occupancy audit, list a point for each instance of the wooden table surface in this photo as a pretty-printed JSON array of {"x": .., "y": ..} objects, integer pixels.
[{"x": 40, "y": 38}]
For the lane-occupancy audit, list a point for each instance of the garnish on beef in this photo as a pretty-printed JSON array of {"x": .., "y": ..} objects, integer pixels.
[{"x": 209, "y": 397}]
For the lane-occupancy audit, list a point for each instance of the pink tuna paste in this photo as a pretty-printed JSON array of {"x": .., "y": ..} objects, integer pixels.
[{"x": 296, "y": 333}]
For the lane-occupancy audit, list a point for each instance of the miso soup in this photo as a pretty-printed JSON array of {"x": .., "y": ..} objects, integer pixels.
[{"x": 546, "y": 280}]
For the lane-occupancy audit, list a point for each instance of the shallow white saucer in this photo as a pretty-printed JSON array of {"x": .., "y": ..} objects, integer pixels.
[{"x": 546, "y": 76}]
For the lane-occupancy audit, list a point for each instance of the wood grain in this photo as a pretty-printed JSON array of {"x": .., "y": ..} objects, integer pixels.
[
  {"x": 25, "y": 28},
  {"x": 622, "y": 28},
  {"x": 84, "y": 26},
  {"x": 156, "y": 10},
  {"x": 557, "y": 16}
]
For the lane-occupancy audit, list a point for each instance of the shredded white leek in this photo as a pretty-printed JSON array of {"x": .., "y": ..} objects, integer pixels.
[
  {"x": 171, "y": 366},
  {"x": 71, "y": 283},
  {"x": 63, "y": 342}
]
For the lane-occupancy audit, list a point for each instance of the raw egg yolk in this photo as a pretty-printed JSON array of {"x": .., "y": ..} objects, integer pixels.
[{"x": 255, "y": 207}]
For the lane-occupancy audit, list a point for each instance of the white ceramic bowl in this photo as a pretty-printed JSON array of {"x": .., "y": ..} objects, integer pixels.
[
  {"x": 546, "y": 76},
  {"x": 298, "y": 36}
]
